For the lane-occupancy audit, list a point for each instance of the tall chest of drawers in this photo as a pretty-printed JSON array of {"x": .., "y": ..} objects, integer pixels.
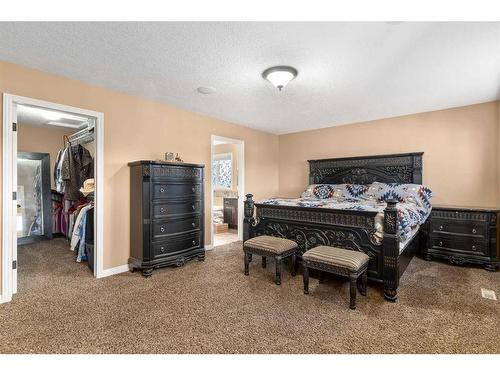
[
  {"x": 463, "y": 235},
  {"x": 167, "y": 214}
]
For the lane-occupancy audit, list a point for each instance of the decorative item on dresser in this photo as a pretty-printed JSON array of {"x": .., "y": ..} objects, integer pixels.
[
  {"x": 169, "y": 156},
  {"x": 167, "y": 214},
  {"x": 463, "y": 235}
]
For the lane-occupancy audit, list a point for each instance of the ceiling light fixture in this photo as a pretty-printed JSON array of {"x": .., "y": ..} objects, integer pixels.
[
  {"x": 206, "y": 90},
  {"x": 280, "y": 76}
]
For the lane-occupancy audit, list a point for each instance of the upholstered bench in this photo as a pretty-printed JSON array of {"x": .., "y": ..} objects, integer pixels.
[
  {"x": 272, "y": 247},
  {"x": 349, "y": 263}
]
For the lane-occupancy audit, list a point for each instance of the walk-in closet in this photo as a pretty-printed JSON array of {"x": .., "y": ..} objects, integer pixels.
[{"x": 55, "y": 192}]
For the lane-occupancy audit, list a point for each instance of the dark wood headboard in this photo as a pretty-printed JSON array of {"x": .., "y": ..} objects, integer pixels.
[{"x": 401, "y": 168}]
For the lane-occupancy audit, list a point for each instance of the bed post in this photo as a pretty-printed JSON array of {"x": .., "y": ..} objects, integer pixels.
[
  {"x": 391, "y": 251},
  {"x": 248, "y": 220}
]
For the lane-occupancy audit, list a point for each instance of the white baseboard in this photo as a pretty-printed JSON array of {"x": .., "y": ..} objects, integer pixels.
[
  {"x": 209, "y": 247},
  {"x": 2, "y": 300},
  {"x": 114, "y": 271}
]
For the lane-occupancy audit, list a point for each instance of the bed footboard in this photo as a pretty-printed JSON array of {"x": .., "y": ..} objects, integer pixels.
[
  {"x": 248, "y": 218},
  {"x": 352, "y": 230},
  {"x": 311, "y": 227}
]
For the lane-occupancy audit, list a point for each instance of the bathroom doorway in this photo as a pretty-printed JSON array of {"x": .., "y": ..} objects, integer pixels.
[{"x": 227, "y": 181}]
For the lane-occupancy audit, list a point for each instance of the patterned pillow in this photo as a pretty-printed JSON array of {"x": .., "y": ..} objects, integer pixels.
[
  {"x": 419, "y": 195},
  {"x": 309, "y": 192},
  {"x": 323, "y": 191},
  {"x": 336, "y": 191},
  {"x": 371, "y": 193},
  {"x": 354, "y": 191}
]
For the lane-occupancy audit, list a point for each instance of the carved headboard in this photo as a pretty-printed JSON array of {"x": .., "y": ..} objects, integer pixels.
[{"x": 402, "y": 168}]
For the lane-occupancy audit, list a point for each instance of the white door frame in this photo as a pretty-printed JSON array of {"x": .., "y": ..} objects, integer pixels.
[
  {"x": 9, "y": 165},
  {"x": 241, "y": 183}
]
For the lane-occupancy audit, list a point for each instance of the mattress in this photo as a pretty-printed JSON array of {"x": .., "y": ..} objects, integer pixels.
[{"x": 409, "y": 238}]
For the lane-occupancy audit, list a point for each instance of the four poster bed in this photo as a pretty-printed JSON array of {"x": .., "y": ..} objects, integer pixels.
[{"x": 376, "y": 233}]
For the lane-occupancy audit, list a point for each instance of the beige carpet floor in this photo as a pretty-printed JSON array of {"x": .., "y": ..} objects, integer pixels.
[{"x": 211, "y": 307}]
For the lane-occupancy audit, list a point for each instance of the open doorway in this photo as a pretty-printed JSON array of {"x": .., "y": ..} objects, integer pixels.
[
  {"x": 52, "y": 175},
  {"x": 228, "y": 175}
]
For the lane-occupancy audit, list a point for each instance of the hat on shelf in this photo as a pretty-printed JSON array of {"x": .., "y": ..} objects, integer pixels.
[{"x": 88, "y": 187}]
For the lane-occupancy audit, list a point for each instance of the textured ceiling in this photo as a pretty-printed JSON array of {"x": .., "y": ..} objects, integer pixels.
[{"x": 348, "y": 72}]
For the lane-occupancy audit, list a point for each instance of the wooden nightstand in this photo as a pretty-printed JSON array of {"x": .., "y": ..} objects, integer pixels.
[{"x": 463, "y": 235}]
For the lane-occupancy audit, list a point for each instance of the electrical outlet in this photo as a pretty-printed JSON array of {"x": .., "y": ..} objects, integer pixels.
[{"x": 488, "y": 294}]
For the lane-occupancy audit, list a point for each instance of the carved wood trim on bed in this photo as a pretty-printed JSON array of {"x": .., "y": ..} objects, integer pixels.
[
  {"x": 402, "y": 168},
  {"x": 310, "y": 226},
  {"x": 361, "y": 219}
]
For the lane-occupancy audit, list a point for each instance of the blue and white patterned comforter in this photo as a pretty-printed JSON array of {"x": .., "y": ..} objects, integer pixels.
[{"x": 414, "y": 205}]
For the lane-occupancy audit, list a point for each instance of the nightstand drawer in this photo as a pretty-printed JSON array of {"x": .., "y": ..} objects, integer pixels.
[
  {"x": 464, "y": 244},
  {"x": 458, "y": 214},
  {"x": 464, "y": 227}
]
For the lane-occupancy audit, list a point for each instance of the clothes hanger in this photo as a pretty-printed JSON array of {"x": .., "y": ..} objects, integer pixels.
[{"x": 66, "y": 139}]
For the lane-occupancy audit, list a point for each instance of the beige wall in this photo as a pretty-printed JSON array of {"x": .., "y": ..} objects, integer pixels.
[
  {"x": 460, "y": 145},
  {"x": 143, "y": 129},
  {"x": 38, "y": 139}
]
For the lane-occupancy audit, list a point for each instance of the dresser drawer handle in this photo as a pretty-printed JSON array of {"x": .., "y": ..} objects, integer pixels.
[
  {"x": 441, "y": 243},
  {"x": 162, "y": 210},
  {"x": 193, "y": 207},
  {"x": 474, "y": 230},
  {"x": 162, "y": 190},
  {"x": 162, "y": 249},
  {"x": 193, "y": 224},
  {"x": 194, "y": 242},
  {"x": 162, "y": 229},
  {"x": 440, "y": 227},
  {"x": 193, "y": 190},
  {"x": 473, "y": 247}
]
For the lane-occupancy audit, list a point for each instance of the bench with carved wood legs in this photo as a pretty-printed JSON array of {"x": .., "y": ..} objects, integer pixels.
[
  {"x": 271, "y": 247},
  {"x": 349, "y": 263}
]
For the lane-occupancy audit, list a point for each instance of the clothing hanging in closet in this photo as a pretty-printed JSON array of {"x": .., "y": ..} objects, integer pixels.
[
  {"x": 73, "y": 209},
  {"x": 78, "y": 237},
  {"x": 73, "y": 166},
  {"x": 57, "y": 170},
  {"x": 59, "y": 224},
  {"x": 89, "y": 238},
  {"x": 77, "y": 167}
]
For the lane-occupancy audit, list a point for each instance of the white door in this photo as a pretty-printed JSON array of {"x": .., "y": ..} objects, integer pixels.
[{"x": 14, "y": 188}]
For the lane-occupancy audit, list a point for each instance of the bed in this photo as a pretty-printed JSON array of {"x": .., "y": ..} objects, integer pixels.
[{"x": 377, "y": 232}]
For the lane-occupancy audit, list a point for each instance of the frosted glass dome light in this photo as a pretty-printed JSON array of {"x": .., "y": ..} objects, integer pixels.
[{"x": 280, "y": 76}]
